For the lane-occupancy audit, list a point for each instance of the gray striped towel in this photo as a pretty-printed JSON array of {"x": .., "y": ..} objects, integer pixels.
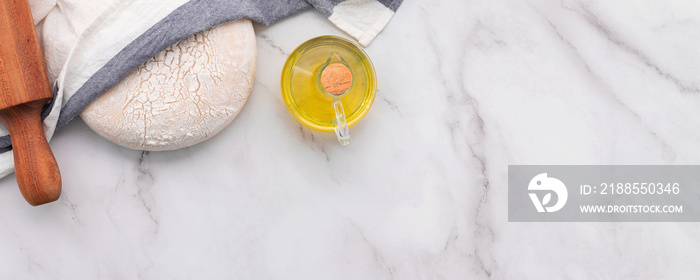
[{"x": 129, "y": 32}]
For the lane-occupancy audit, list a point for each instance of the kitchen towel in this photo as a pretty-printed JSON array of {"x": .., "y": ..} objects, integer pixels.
[{"x": 113, "y": 37}]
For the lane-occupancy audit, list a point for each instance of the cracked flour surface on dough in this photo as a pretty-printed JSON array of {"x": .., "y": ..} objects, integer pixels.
[{"x": 184, "y": 95}]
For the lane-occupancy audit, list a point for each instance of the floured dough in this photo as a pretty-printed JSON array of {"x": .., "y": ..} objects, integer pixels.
[{"x": 183, "y": 96}]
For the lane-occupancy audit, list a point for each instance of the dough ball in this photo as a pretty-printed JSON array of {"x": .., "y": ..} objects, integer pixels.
[{"x": 183, "y": 96}]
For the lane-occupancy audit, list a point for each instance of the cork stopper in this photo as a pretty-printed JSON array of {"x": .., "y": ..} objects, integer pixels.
[{"x": 336, "y": 78}]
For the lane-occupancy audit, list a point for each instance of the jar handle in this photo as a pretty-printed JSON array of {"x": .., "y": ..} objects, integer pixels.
[{"x": 340, "y": 124}]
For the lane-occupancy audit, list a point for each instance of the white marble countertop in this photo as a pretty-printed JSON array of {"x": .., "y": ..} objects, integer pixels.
[{"x": 465, "y": 89}]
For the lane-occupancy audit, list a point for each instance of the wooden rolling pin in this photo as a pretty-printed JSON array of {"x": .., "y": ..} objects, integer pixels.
[{"x": 24, "y": 89}]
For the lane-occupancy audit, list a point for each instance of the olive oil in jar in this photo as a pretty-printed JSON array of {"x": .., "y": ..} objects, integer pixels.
[{"x": 301, "y": 88}]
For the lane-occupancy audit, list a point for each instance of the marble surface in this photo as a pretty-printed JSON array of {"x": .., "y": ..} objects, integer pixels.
[{"x": 465, "y": 89}]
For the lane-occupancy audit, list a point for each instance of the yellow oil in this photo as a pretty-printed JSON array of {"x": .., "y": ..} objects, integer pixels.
[{"x": 301, "y": 89}]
